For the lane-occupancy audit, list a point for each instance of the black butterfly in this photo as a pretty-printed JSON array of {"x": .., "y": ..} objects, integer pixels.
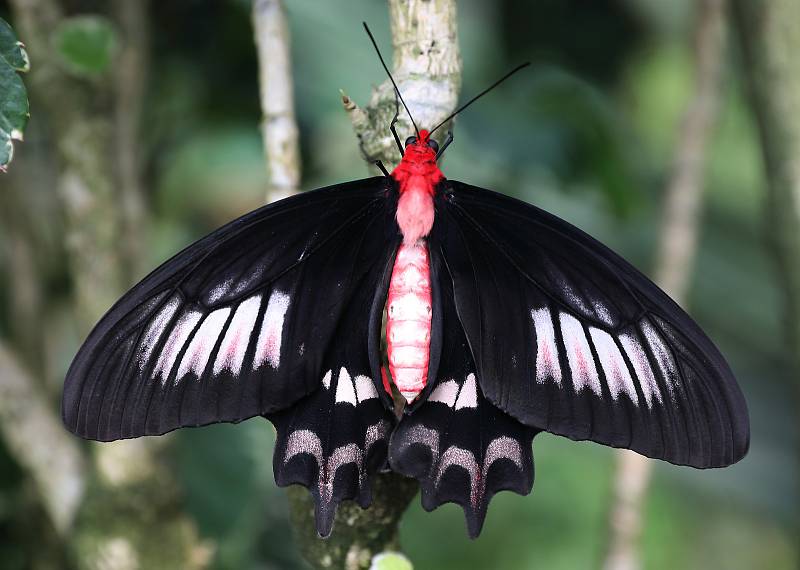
[{"x": 535, "y": 326}]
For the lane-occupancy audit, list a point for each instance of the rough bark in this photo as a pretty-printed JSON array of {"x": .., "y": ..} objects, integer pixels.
[
  {"x": 680, "y": 226},
  {"x": 115, "y": 526},
  {"x": 427, "y": 68}
]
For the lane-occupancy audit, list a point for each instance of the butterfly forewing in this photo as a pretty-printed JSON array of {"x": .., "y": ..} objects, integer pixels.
[
  {"x": 570, "y": 338},
  {"x": 237, "y": 324}
]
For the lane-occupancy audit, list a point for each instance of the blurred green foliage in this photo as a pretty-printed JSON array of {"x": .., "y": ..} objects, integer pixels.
[
  {"x": 86, "y": 44},
  {"x": 588, "y": 134},
  {"x": 13, "y": 96}
]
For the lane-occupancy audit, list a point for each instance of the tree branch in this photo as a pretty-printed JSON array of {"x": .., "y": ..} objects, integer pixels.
[
  {"x": 35, "y": 436},
  {"x": 678, "y": 238},
  {"x": 85, "y": 185},
  {"x": 769, "y": 36},
  {"x": 278, "y": 124},
  {"x": 427, "y": 68},
  {"x": 130, "y": 79},
  {"x": 115, "y": 521}
]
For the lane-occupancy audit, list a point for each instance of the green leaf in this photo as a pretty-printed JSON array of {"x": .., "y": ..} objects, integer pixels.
[
  {"x": 86, "y": 44},
  {"x": 13, "y": 97},
  {"x": 390, "y": 561}
]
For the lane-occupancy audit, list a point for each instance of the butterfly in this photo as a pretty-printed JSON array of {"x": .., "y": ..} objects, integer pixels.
[{"x": 502, "y": 321}]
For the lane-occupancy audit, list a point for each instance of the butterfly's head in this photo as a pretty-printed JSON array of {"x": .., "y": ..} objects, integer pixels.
[{"x": 421, "y": 149}]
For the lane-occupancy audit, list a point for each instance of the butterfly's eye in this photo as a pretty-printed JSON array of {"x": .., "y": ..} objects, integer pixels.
[
  {"x": 411, "y": 140},
  {"x": 434, "y": 145}
]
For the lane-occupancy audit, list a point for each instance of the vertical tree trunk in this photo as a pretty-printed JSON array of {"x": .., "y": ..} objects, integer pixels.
[
  {"x": 129, "y": 488},
  {"x": 427, "y": 68},
  {"x": 680, "y": 227},
  {"x": 278, "y": 124},
  {"x": 769, "y": 36}
]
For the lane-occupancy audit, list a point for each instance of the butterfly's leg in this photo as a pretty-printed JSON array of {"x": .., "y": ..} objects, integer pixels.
[
  {"x": 380, "y": 165},
  {"x": 447, "y": 140}
]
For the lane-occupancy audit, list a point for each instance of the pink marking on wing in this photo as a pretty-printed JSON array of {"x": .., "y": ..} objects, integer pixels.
[
  {"x": 579, "y": 355},
  {"x": 233, "y": 348},
  {"x": 199, "y": 350},
  {"x": 177, "y": 337},
  {"x": 457, "y": 456},
  {"x": 547, "y": 365},
  {"x": 617, "y": 375},
  {"x": 269, "y": 340}
]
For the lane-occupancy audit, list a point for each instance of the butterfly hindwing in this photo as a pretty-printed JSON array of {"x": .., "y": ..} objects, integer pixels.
[
  {"x": 334, "y": 440},
  {"x": 570, "y": 338},
  {"x": 237, "y": 324},
  {"x": 460, "y": 446}
]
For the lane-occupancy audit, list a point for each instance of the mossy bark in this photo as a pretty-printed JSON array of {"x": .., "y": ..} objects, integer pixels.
[{"x": 358, "y": 534}]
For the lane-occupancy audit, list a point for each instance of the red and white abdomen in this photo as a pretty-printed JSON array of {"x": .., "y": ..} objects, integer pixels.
[{"x": 408, "y": 323}]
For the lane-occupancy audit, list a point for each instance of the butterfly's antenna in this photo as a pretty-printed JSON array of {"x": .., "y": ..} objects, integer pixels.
[
  {"x": 397, "y": 90},
  {"x": 481, "y": 94}
]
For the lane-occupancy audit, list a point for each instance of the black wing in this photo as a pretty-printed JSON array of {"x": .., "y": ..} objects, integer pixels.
[
  {"x": 334, "y": 440},
  {"x": 239, "y": 324},
  {"x": 460, "y": 446},
  {"x": 569, "y": 338}
]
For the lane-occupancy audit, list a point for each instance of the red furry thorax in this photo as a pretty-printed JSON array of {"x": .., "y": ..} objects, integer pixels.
[{"x": 417, "y": 175}]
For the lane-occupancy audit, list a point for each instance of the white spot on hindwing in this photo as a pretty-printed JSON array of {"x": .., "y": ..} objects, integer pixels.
[
  {"x": 345, "y": 392},
  {"x": 350, "y": 390},
  {"x": 365, "y": 388},
  {"x": 306, "y": 441},
  {"x": 468, "y": 396},
  {"x": 445, "y": 392},
  {"x": 503, "y": 447},
  {"x": 456, "y": 396}
]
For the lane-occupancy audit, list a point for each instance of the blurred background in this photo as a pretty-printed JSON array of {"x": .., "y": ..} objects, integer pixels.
[{"x": 589, "y": 133}]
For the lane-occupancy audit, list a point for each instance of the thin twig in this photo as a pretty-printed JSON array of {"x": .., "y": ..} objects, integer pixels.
[
  {"x": 278, "y": 124},
  {"x": 130, "y": 80},
  {"x": 769, "y": 35},
  {"x": 677, "y": 248}
]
